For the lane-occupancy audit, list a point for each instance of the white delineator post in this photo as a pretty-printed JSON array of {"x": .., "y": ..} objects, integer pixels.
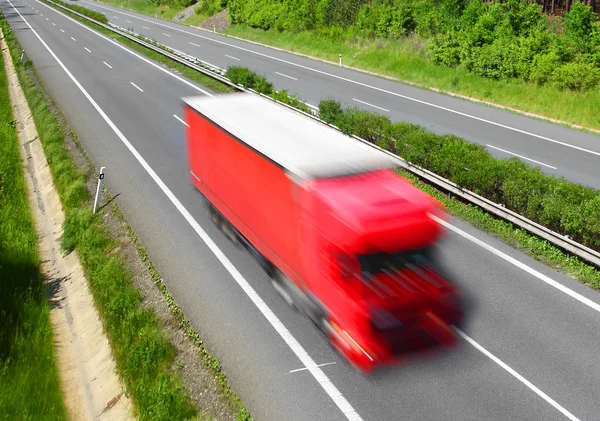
[
  {"x": 100, "y": 179},
  {"x": 22, "y": 54},
  {"x": 340, "y": 60}
]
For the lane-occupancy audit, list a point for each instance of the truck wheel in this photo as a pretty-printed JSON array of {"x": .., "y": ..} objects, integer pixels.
[
  {"x": 215, "y": 215},
  {"x": 281, "y": 284},
  {"x": 223, "y": 224}
]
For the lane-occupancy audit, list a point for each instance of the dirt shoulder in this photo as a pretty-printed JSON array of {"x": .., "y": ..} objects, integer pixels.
[{"x": 87, "y": 370}]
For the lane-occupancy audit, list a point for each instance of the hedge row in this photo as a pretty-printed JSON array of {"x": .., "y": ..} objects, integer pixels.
[
  {"x": 567, "y": 208},
  {"x": 498, "y": 39},
  {"x": 249, "y": 79},
  {"x": 84, "y": 11}
]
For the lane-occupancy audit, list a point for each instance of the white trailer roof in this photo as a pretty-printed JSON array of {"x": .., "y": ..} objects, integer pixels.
[{"x": 301, "y": 145}]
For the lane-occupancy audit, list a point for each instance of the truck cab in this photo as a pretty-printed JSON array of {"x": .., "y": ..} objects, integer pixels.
[{"x": 369, "y": 256}]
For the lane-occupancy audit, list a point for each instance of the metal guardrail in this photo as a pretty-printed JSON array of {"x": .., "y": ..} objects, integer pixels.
[{"x": 559, "y": 240}]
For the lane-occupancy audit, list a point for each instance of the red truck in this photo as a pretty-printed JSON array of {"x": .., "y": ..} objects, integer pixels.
[{"x": 343, "y": 237}]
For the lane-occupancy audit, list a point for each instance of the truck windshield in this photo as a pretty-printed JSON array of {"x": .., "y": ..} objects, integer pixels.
[
  {"x": 383, "y": 262},
  {"x": 387, "y": 274}
]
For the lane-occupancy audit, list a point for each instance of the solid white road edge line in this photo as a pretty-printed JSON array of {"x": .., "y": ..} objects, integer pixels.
[
  {"x": 593, "y": 305},
  {"x": 521, "y": 156},
  {"x": 368, "y": 86},
  {"x": 331, "y": 390},
  {"x": 516, "y": 375},
  {"x": 128, "y": 50}
]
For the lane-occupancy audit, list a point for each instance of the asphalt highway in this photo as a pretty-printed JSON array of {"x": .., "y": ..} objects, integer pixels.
[
  {"x": 529, "y": 351},
  {"x": 555, "y": 149}
]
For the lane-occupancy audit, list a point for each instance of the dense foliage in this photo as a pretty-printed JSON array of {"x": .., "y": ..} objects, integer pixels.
[
  {"x": 251, "y": 80},
  {"x": 510, "y": 39}
]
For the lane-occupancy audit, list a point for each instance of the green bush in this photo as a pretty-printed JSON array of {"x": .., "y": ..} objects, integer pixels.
[
  {"x": 252, "y": 80},
  {"x": 292, "y": 100},
  {"x": 330, "y": 110},
  {"x": 249, "y": 79},
  {"x": 543, "y": 66},
  {"x": 508, "y": 39},
  {"x": 562, "y": 206},
  {"x": 208, "y": 7},
  {"x": 576, "y": 76}
]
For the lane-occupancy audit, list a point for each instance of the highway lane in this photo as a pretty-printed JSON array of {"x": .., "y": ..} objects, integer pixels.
[
  {"x": 576, "y": 155},
  {"x": 526, "y": 323}
]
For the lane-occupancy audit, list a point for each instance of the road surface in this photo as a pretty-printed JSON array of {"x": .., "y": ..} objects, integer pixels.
[{"x": 530, "y": 351}]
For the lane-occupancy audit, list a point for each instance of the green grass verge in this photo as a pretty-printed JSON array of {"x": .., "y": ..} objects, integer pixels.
[
  {"x": 406, "y": 60},
  {"x": 142, "y": 352},
  {"x": 29, "y": 382},
  {"x": 208, "y": 360},
  {"x": 196, "y": 19},
  {"x": 514, "y": 236},
  {"x": 191, "y": 74}
]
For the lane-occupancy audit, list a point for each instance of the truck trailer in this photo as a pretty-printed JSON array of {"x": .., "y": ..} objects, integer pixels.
[{"x": 343, "y": 238}]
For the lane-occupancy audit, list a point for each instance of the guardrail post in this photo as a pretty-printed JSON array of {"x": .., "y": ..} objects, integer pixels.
[{"x": 100, "y": 179}]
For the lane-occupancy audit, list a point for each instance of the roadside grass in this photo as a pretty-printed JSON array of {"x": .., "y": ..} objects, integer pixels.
[
  {"x": 195, "y": 20},
  {"x": 407, "y": 61},
  {"x": 191, "y": 74},
  {"x": 184, "y": 323},
  {"x": 516, "y": 237},
  {"x": 143, "y": 354},
  {"x": 29, "y": 381}
]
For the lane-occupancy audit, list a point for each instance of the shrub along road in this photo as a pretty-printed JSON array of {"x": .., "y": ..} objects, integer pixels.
[
  {"x": 556, "y": 149},
  {"x": 526, "y": 323}
]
